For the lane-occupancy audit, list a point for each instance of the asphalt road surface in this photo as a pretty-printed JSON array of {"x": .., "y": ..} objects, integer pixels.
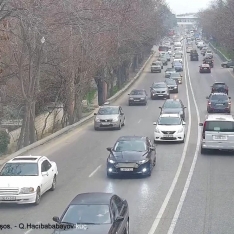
[{"x": 157, "y": 203}]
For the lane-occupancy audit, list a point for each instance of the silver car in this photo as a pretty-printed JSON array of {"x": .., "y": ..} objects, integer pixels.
[
  {"x": 159, "y": 90},
  {"x": 156, "y": 66},
  {"x": 109, "y": 117},
  {"x": 169, "y": 71}
]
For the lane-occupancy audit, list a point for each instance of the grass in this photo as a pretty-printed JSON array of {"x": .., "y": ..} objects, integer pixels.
[
  {"x": 229, "y": 54},
  {"x": 90, "y": 96}
]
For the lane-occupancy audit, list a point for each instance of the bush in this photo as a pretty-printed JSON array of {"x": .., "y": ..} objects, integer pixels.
[{"x": 4, "y": 141}]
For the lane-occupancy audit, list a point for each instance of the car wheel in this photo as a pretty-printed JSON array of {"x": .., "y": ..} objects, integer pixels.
[
  {"x": 225, "y": 66},
  {"x": 152, "y": 97},
  {"x": 154, "y": 163},
  {"x": 208, "y": 111},
  {"x": 168, "y": 97},
  {"x": 183, "y": 139},
  {"x": 53, "y": 186},
  {"x": 120, "y": 126},
  {"x": 123, "y": 122},
  {"x": 203, "y": 151},
  {"x": 38, "y": 197},
  {"x": 130, "y": 104},
  {"x": 177, "y": 90},
  {"x": 95, "y": 128},
  {"x": 126, "y": 231},
  {"x": 160, "y": 71}
]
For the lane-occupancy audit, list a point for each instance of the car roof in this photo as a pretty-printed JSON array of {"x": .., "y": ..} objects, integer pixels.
[
  {"x": 26, "y": 159},
  {"x": 220, "y": 94},
  {"x": 219, "y": 117},
  {"x": 219, "y": 83},
  {"x": 170, "y": 115},
  {"x": 97, "y": 198},
  {"x": 172, "y": 100},
  {"x": 132, "y": 138},
  {"x": 105, "y": 106}
]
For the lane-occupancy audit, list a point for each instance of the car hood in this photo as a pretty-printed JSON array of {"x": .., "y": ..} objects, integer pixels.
[
  {"x": 128, "y": 156},
  {"x": 168, "y": 127},
  {"x": 172, "y": 85},
  {"x": 159, "y": 89},
  {"x": 107, "y": 116},
  {"x": 137, "y": 96},
  {"x": 86, "y": 229},
  {"x": 170, "y": 72},
  {"x": 178, "y": 65},
  {"x": 172, "y": 110},
  {"x": 18, "y": 181}
]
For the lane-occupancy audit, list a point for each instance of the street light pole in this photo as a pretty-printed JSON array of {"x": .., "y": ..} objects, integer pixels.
[{"x": 39, "y": 64}]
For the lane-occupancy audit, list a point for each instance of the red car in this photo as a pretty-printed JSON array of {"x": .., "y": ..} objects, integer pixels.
[{"x": 205, "y": 68}]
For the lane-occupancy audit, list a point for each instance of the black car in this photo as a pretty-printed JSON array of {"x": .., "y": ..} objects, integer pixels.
[
  {"x": 194, "y": 55},
  {"x": 209, "y": 61},
  {"x": 94, "y": 213},
  {"x": 172, "y": 85},
  {"x": 219, "y": 87},
  {"x": 205, "y": 68},
  {"x": 137, "y": 96},
  {"x": 218, "y": 102},
  {"x": 227, "y": 64},
  {"x": 177, "y": 77},
  {"x": 175, "y": 106},
  {"x": 131, "y": 155}
]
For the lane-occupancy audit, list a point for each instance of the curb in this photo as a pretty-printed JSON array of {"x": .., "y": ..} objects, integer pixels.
[{"x": 79, "y": 123}]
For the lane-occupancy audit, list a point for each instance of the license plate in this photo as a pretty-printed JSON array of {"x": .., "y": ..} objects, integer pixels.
[
  {"x": 8, "y": 198},
  {"x": 126, "y": 169},
  {"x": 105, "y": 123},
  {"x": 136, "y": 100},
  {"x": 160, "y": 95},
  {"x": 219, "y": 104},
  {"x": 168, "y": 136},
  {"x": 205, "y": 68},
  {"x": 220, "y": 137}
]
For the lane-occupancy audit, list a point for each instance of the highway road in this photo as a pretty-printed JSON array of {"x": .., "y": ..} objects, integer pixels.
[{"x": 81, "y": 159}]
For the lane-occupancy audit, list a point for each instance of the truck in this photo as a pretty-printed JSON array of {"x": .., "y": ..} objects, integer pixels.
[{"x": 193, "y": 55}]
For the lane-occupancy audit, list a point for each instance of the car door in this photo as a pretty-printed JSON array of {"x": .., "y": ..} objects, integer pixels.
[
  {"x": 44, "y": 177},
  {"x": 121, "y": 114},
  {"x": 50, "y": 172},
  {"x": 182, "y": 105},
  {"x": 47, "y": 174}
]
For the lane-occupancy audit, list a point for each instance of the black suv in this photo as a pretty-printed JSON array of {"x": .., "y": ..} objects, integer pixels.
[
  {"x": 218, "y": 102},
  {"x": 193, "y": 55},
  {"x": 219, "y": 87}
]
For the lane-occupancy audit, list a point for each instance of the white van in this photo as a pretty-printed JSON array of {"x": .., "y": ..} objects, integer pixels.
[
  {"x": 177, "y": 44},
  {"x": 200, "y": 44},
  {"x": 218, "y": 133}
]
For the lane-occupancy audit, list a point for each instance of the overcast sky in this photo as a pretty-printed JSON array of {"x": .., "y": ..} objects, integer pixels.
[{"x": 187, "y": 6}]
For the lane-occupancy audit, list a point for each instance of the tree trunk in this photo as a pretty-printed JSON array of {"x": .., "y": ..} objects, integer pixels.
[
  {"x": 78, "y": 108},
  {"x": 32, "y": 131},
  {"x": 99, "y": 83}
]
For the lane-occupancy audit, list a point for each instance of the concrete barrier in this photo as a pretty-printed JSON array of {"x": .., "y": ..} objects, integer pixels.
[{"x": 79, "y": 123}]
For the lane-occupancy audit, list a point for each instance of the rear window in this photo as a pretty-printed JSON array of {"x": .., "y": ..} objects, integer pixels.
[
  {"x": 219, "y": 97},
  {"x": 219, "y": 126}
]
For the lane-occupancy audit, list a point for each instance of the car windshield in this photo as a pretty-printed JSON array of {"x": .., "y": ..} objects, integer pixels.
[
  {"x": 138, "y": 146},
  {"x": 219, "y": 126},
  {"x": 177, "y": 64},
  {"x": 20, "y": 169},
  {"x": 175, "y": 75},
  {"x": 108, "y": 111},
  {"x": 172, "y": 104},
  {"x": 159, "y": 85},
  {"x": 169, "y": 121},
  {"x": 219, "y": 86},
  {"x": 170, "y": 69},
  {"x": 219, "y": 98},
  {"x": 137, "y": 92},
  {"x": 87, "y": 214}
]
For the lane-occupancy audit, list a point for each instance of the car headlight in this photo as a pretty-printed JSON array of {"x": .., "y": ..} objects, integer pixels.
[
  {"x": 111, "y": 161},
  {"x": 27, "y": 190},
  {"x": 143, "y": 161},
  {"x": 157, "y": 130},
  {"x": 97, "y": 120},
  {"x": 142, "y": 98},
  {"x": 181, "y": 130},
  {"x": 115, "y": 119}
]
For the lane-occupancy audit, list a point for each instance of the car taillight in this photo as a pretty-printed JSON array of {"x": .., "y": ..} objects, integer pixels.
[{"x": 209, "y": 103}]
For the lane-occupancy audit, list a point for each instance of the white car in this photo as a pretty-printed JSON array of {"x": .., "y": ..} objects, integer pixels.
[
  {"x": 169, "y": 52},
  {"x": 24, "y": 179},
  {"x": 169, "y": 127},
  {"x": 209, "y": 54},
  {"x": 177, "y": 60}
]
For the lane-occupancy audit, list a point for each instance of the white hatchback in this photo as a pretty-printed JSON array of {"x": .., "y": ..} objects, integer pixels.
[
  {"x": 169, "y": 127},
  {"x": 24, "y": 179}
]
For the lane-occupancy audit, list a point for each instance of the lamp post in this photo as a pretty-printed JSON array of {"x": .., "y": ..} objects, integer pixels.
[{"x": 39, "y": 63}]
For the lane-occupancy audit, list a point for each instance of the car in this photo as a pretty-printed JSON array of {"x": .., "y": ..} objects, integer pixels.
[
  {"x": 209, "y": 61},
  {"x": 169, "y": 52},
  {"x": 197, "y": 40},
  {"x": 219, "y": 87},
  {"x": 173, "y": 106},
  {"x": 209, "y": 54},
  {"x": 203, "y": 50},
  {"x": 177, "y": 60},
  {"x": 168, "y": 72},
  {"x": 159, "y": 90},
  {"x": 177, "y": 55},
  {"x": 96, "y": 212},
  {"x": 194, "y": 55},
  {"x": 163, "y": 59},
  {"x": 178, "y": 66},
  {"x": 156, "y": 66},
  {"x": 177, "y": 48},
  {"x": 189, "y": 48},
  {"x": 169, "y": 127},
  {"x": 172, "y": 85},
  {"x": 109, "y": 117},
  {"x": 167, "y": 55},
  {"x": 131, "y": 155},
  {"x": 217, "y": 133},
  {"x": 137, "y": 96},
  {"x": 200, "y": 45},
  {"x": 218, "y": 102},
  {"x": 204, "y": 68},
  {"x": 24, "y": 179},
  {"x": 227, "y": 64},
  {"x": 177, "y": 77}
]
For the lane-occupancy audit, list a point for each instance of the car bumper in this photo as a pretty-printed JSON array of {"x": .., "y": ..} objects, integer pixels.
[
  {"x": 143, "y": 169},
  {"x": 19, "y": 199},
  {"x": 135, "y": 102},
  {"x": 173, "y": 90},
  {"x": 159, "y": 95},
  {"x": 221, "y": 145},
  {"x": 205, "y": 71},
  {"x": 156, "y": 69},
  {"x": 106, "y": 125},
  {"x": 173, "y": 137},
  {"x": 216, "y": 110}
]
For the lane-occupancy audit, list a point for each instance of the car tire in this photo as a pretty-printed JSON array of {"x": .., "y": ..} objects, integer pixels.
[
  {"x": 208, "y": 111},
  {"x": 203, "y": 151},
  {"x": 183, "y": 139},
  {"x": 53, "y": 186},
  {"x": 126, "y": 231},
  {"x": 168, "y": 97},
  {"x": 38, "y": 197},
  {"x": 224, "y": 66},
  {"x": 177, "y": 91},
  {"x": 130, "y": 104}
]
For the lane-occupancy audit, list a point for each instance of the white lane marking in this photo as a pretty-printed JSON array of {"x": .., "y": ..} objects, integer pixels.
[
  {"x": 95, "y": 171},
  {"x": 174, "y": 182},
  {"x": 30, "y": 230},
  {"x": 139, "y": 121},
  {"x": 146, "y": 108},
  {"x": 189, "y": 178}
]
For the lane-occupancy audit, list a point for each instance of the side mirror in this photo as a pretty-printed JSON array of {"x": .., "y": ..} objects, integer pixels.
[
  {"x": 152, "y": 148},
  {"x": 154, "y": 123},
  {"x": 95, "y": 114},
  {"x": 207, "y": 97},
  {"x": 119, "y": 219},
  {"x": 109, "y": 149},
  {"x": 56, "y": 219},
  {"x": 200, "y": 124},
  {"x": 184, "y": 123}
]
